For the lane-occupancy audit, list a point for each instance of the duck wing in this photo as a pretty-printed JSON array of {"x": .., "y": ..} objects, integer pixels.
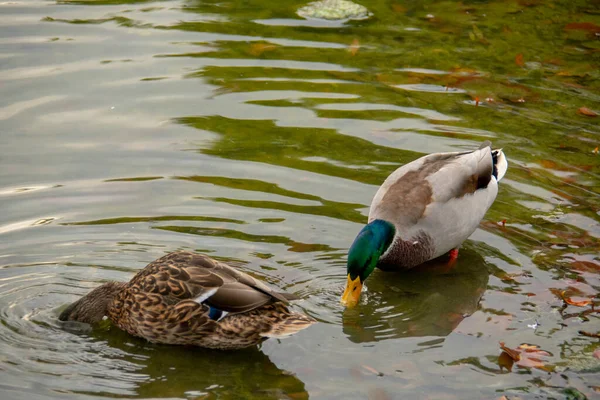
[
  {"x": 182, "y": 276},
  {"x": 443, "y": 196}
]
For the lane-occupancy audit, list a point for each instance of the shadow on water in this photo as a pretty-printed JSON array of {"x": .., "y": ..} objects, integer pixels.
[{"x": 430, "y": 300}]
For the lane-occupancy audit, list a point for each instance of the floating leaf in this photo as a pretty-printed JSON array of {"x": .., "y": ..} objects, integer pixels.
[
  {"x": 586, "y": 266},
  {"x": 513, "y": 354},
  {"x": 526, "y": 356},
  {"x": 353, "y": 49},
  {"x": 505, "y": 361},
  {"x": 519, "y": 60},
  {"x": 532, "y": 348},
  {"x": 576, "y": 303},
  {"x": 587, "y": 112},
  {"x": 591, "y": 334}
]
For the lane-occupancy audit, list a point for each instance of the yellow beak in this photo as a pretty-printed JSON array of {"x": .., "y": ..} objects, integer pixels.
[{"x": 352, "y": 292}]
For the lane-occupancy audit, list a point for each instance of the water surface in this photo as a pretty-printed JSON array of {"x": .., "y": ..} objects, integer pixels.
[{"x": 133, "y": 128}]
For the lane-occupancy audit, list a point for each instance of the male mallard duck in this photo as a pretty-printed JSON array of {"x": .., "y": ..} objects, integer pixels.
[
  {"x": 423, "y": 210},
  {"x": 191, "y": 299}
]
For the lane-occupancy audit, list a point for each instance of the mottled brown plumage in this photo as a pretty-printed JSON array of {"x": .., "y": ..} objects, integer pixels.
[{"x": 191, "y": 299}]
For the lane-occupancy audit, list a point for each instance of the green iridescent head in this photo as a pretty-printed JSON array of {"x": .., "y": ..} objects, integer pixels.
[{"x": 372, "y": 241}]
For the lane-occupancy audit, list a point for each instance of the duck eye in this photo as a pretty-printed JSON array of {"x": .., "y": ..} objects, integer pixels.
[{"x": 354, "y": 288}]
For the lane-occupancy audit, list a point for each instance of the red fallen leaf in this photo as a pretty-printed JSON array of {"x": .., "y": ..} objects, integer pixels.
[
  {"x": 532, "y": 362},
  {"x": 532, "y": 348},
  {"x": 519, "y": 60},
  {"x": 353, "y": 49},
  {"x": 587, "y": 112},
  {"x": 513, "y": 354},
  {"x": 580, "y": 303},
  {"x": 583, "y": 26}
]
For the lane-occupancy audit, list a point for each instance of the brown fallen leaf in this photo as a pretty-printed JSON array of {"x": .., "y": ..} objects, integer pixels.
[
  {"x": 587, "y": 112},
  {"x": 526, "y": 356},
  {"x": 505, "y": 361},
  {"x": 519, "y": 60},
  {"x": 591, "y": 334},
  {"x": 585, "y": 266},
  {"x": 353, "y": 49}
]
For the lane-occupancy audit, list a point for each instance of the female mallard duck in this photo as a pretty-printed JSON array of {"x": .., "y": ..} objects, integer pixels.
[
  {"x": 191, "y": 299},
  {"x": 423, "y": 210}
]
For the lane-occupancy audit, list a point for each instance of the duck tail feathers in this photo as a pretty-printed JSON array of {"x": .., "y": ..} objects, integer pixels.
[
  {"x": 288, "y": 325},
  {"x": 500, "y": 163}
]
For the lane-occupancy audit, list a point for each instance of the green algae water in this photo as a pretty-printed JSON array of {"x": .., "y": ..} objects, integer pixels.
[{"x": 129, "y": 129}]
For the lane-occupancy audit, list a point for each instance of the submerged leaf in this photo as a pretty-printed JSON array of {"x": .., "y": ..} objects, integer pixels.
[
  {"x": 519, "y": 60},
  {"x": 583, "y": 26},
  {"x": 256, "y": 49},
  {"x": 587, "y": 112},
  {"x": 353, "y": 49}
]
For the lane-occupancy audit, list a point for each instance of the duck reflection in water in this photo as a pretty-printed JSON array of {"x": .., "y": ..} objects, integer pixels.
[
  {"x": 429, "y": 300},
  {"x": 181, "y": 371}
]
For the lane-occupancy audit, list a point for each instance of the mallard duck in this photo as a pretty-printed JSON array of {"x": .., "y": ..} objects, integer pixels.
[
  {"x": 423, "y": 210},
  {"x": 191, "y": 299}
]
